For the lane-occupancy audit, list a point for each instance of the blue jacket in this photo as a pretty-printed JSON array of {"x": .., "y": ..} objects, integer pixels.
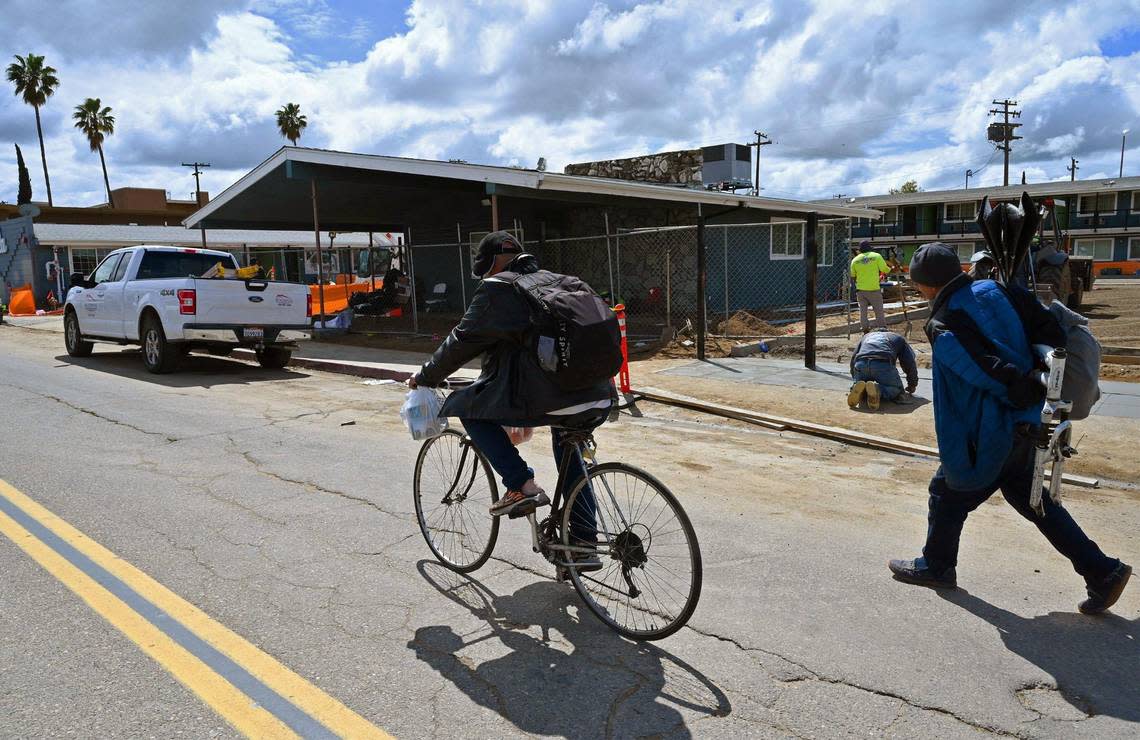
[
  {"x": 981, "y": 335},
  {"x": 886, "y": 346}
]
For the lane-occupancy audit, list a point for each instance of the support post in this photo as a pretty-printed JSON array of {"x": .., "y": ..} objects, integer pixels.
[
  {"x": 811, "y": 260},
  {"x": 609, "y": 257},
  {"x": 320, "y": 255},
  {"x": 371, "y": 263},
  {"x": 412, "y": 277},
  {"x": 494, "y": 212},
  {"x": 462, "y": 270},
  {"x": 702, "y": 309}
]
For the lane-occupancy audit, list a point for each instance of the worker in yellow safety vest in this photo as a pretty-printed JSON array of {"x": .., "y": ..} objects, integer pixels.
[{"x": 867, "y": 268}]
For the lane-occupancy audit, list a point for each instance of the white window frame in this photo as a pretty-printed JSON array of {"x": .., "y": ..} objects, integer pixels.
[
  {"x": 887, "y": 221},
  {"x": 968, "y": 245},
  {"x": 1094, "y": 197},
  {"x": 100, "y": 255},
  {"x": 946, "y": 211},
  {"x": 1078, "y": 243},
  {"x": 1135, "y": 201},
  {"x": 825, "y": 245},
  {"x": 1134, "y": 248},
  {"x": 787, "y": 225}
]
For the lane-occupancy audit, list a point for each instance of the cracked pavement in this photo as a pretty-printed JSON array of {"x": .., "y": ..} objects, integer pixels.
[{"x": 240, "y": 490}]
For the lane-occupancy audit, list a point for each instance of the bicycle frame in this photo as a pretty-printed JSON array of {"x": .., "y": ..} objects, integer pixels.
[{"x": 1056, "y": 431}]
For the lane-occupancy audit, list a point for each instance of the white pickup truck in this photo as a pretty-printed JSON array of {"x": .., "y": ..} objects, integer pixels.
[{"x": 151, "y": 295}]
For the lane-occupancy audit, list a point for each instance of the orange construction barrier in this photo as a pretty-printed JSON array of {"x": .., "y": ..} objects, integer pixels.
[
  {"x": 22, "y": 301},
  {"x": 623, "y": 374}
]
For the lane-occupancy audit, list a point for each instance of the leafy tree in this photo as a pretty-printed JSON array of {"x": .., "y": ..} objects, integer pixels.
[
  {"x": 910, "y": 186},
  {"x": 290, "y": 122},
  {"x": 24, "y": 192},
  {"x": 96, "y": 122},
  {"x": 35, "y": 83}
]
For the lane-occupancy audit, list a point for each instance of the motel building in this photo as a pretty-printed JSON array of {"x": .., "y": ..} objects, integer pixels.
[
  {"x": 1101, "y": 218},
  {"x": 43, "y": 248}
]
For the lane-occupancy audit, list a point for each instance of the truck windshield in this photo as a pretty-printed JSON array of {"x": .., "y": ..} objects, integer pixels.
[{"x": 166, "y": 264}]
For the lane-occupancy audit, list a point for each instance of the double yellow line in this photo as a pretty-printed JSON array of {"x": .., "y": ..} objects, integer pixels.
[{"x": 259, "y": 696}]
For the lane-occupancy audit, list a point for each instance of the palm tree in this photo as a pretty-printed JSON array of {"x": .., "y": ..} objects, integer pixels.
[
  {"x": 35, "y": 83},
  {"x": 290, "y": 122},
  {"x": 96, "y": 123}
]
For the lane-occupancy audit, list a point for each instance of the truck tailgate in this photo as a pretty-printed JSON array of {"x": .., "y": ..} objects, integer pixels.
[{"x": 250, "y": 303}]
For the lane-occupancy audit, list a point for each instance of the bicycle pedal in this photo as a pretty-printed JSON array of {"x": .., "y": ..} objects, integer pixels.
[{"x": 528, "y": 507}]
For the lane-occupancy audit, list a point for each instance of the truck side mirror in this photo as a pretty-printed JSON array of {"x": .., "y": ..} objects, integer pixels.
[{"x": 78, "y": 280}]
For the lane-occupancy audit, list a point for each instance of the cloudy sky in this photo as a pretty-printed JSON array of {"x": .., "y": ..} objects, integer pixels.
[{"x": 859, "y": 96}]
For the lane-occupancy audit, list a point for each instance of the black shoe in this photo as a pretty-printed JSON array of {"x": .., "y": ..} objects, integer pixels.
[
  {"x": 584, "y": 561},
  {"x": 916, "y": 572},
  {"x": 1105, "y": 593}
]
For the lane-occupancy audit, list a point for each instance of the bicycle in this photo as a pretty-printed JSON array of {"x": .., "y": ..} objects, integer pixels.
[{"x": 650, "y": 580}]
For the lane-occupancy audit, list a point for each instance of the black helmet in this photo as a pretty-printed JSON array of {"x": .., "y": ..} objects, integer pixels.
[{"x": 492, "y": 245}]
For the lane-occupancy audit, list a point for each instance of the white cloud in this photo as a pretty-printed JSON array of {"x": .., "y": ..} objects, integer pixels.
[{"x": 859, "y": 96}]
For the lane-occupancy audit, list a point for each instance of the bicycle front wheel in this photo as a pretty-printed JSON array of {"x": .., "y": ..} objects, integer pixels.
[
  {"x": 650, "y": 580},
  {"x": 453, "y": 490}
]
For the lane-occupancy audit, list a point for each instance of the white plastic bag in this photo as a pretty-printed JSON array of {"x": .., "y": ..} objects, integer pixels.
[
  {"x": 420, "y": 413},
  {"x": 519, "y": 435}
]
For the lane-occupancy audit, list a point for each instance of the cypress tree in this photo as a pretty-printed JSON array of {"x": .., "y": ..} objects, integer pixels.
[{"x": 24, "y": 194}]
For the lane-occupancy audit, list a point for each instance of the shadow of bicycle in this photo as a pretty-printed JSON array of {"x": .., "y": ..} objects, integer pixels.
[{"x": 563, "y": 673}]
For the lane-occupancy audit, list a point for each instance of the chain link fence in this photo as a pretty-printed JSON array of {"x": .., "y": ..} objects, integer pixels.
[{"x": 756, "y": 278}]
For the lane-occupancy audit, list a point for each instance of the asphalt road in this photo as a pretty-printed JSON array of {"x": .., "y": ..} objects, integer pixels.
[{"x": 264, "y": 519}]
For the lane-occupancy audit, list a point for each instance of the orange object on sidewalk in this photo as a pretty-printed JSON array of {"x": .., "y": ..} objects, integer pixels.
[
  {"x": 623, "y": 374},
  {"x": 22, "y": 302}
]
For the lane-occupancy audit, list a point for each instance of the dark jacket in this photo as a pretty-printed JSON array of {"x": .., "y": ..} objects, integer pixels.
[
  {"x": 511, "y": 386},
  {"x": 981, "y": 335},
  {"x": 888, "y": 346}
]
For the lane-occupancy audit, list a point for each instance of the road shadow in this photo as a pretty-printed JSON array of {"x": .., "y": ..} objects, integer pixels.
[
  {"x": 1095, "y": 660},
  {"x": 605, "y": 686},
  {"x": 195, "y": 371}
]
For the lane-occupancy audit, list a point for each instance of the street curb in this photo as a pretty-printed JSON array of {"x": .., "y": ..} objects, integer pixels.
[{"x": 335, "y": 366}]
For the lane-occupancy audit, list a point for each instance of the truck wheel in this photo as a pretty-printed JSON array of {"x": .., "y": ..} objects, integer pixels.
[
  {"x": 159, "y": 355},
  {"x": 274, "y": 358},
  {"x": 73, "y": 339},
  {"x": 1078, "y": 294}
]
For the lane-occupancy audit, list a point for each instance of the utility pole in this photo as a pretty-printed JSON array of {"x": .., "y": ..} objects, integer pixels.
[
  {"x": 762, "y": 139},
  {"x": 1072, "y": 168},
  {"x": 1005, "y": 135},
  {"x": 198, "y": 191},
  {"x": 969, "y": 174}
]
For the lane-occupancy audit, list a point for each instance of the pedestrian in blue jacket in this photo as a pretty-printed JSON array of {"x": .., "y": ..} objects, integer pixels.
[{"x": 987, "y": 413}]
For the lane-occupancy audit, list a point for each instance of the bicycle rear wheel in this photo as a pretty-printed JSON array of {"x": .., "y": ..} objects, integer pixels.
[
  {"x": 453, "y": 490},
  {"x": 650, "y": 579}
]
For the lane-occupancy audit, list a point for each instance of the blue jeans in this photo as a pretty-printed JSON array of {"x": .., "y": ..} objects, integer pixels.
[
  {"x": 883, "y": 373},
  {"x": 948, "y": 509},
  {"x": 490, "y": 439}
]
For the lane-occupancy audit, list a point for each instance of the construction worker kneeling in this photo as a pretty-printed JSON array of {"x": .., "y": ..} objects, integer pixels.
[{"x": 874, "y": 373}]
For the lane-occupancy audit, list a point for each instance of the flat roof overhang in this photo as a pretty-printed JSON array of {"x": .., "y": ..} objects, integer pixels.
[{"x": 367, "y": 192}]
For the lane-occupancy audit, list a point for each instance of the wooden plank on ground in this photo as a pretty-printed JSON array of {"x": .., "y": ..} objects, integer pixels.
[
  {"x": 838, "y": 434},
  {"x": 1121, "y": 359}
]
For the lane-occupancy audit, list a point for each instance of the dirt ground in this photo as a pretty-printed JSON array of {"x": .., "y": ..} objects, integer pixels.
[{"x": 1107, "y": 445}]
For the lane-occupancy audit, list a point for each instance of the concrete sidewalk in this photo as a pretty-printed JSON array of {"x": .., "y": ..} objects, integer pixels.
[{"x": 1118, "y": 399}]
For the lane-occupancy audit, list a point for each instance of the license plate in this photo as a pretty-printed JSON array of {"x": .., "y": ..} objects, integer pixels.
[{"x": 253, "y": 333}]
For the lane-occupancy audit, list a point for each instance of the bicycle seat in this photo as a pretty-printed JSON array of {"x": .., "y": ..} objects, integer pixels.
[{"x": 585, "y": 421}]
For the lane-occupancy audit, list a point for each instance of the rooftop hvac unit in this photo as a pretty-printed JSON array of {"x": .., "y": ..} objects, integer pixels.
[{"x": 727, "y": 165}]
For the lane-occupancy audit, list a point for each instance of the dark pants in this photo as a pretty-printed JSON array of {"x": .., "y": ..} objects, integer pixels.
[
  {"x": 490, "y": 439},
  {"x": 949, "y": 509}
]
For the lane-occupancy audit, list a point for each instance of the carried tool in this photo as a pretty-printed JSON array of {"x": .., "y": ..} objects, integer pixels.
[{"x": 1055, "y": 432}]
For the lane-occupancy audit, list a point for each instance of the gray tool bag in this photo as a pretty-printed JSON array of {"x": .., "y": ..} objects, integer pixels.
[{"x": 1081, "y": 384}]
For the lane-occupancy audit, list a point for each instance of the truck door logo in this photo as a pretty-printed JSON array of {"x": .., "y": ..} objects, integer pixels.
[{"x": 284, "y": 300}]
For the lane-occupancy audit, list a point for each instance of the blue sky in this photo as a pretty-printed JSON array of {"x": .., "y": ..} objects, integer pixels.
[{"x": 858, "y": 96}]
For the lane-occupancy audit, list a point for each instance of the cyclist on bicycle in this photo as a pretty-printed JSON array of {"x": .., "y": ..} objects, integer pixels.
[{"x": 512, "y": 390}]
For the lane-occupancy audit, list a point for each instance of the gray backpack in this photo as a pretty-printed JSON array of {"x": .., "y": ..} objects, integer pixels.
[{"x": 1081, "y": 384}]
